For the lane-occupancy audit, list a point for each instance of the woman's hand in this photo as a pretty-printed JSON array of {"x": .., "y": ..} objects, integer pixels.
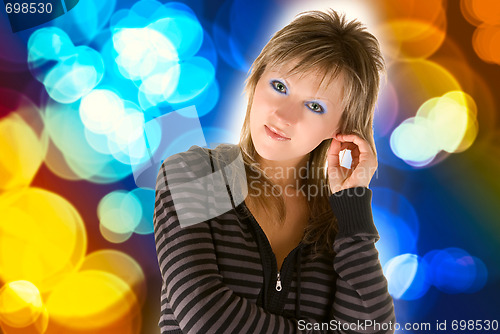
[{"x": 363, "y": 166}]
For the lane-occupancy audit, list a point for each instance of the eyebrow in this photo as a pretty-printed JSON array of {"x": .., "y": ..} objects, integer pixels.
[
  {"x": 282, "y": 79},
  {"x": 321, "y": 99}
]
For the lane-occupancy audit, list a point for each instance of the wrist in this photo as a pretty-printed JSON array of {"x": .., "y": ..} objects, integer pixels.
[{"x": 352, "y": 207}]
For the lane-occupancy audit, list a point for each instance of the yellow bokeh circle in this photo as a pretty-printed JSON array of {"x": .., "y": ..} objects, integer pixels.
[
  {"x": 453, "y": 119},
  {"x": 417, "y": 81},
  {"x": 91, "y": 299},
  {"x": 42, "y": 237},
  {"x": 20, "y": 304},
  {"x": 40, "y": 326},
  {"x": 120, "y": 265},
  {"x": 411, "y": 28},
  {"x": 21, "y": 152},
  {"x": 410, "y": 38}
]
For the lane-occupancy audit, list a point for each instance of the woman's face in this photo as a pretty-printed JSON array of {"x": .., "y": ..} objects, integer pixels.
[{"x": 292, "y": 114}]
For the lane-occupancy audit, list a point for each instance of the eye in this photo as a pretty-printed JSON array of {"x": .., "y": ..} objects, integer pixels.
[
  {"x": 279, "y": 86},
  {"x": 316, "y": 107}
]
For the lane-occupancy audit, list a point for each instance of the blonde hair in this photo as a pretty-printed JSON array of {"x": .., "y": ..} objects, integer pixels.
[{"x": 328, "y": 43}]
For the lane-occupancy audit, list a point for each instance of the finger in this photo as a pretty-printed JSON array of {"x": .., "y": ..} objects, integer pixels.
[
  {"x": 333, "y": 153},
  {"x": 345, "y": 172},
  {"x": 335, "y": 147},
  {"x": 362, "y": 144},
  {"x": 354, "y": 163}
]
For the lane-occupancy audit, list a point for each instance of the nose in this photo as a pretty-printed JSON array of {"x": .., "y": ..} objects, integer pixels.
[{"x": 287, "y": 113}]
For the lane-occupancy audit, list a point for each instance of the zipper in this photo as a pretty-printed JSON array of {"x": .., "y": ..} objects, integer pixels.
[{"x": 278, "y": 282}]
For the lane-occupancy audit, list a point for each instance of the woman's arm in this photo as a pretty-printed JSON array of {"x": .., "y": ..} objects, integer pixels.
[
  {"x": 195, "y": 291},
  {"x": 361, "y": 298}
]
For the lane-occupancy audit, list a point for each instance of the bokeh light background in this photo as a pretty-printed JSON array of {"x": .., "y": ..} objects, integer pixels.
[{"x": 86, "y": 116}]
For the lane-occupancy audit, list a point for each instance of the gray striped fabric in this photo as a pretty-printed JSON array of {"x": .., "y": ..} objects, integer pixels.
[{"x": 219, "y": 274}]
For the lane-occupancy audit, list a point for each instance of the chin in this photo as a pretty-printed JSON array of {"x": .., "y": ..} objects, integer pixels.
[
  {"x": 272, "y": 153},
  {"x": 273, "y": 156}
]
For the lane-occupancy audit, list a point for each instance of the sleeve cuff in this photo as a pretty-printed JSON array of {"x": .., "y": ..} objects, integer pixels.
[{"x": 353, "y": 210}]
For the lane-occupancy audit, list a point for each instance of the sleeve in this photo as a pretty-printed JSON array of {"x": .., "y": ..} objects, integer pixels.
[
  {"x": 362, "y": 300},
  {"x": 194, "y": 289}
]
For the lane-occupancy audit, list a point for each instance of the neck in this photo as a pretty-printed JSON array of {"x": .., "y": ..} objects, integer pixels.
[{"x": 286, "y": 172}]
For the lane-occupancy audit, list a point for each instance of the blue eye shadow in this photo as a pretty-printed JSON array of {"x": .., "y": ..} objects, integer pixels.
[
  {"x": 273, "y": 81},
  {"x": 322, "y": 105}
]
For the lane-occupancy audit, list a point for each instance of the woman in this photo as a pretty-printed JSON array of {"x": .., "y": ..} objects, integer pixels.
[{"x": 285, "y": 246}]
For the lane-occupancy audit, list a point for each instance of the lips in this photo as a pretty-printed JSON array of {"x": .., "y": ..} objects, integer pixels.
[{"x": 275, "y": 133}]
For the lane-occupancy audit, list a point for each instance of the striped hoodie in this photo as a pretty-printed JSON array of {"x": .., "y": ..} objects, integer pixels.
[{"x": 220, "y": 274}]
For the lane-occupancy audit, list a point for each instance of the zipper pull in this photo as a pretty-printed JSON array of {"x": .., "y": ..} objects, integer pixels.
[{"x": 278, "y": 283}]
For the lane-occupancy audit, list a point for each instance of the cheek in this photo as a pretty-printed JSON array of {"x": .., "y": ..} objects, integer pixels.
[
  {"x": 332, "y": 125},
  {"x": 321, "y": 130},
  {"x": 254, "y": 112},
  {"x": 256, "y": 117},
  {"x": 260, "y": 106}
]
